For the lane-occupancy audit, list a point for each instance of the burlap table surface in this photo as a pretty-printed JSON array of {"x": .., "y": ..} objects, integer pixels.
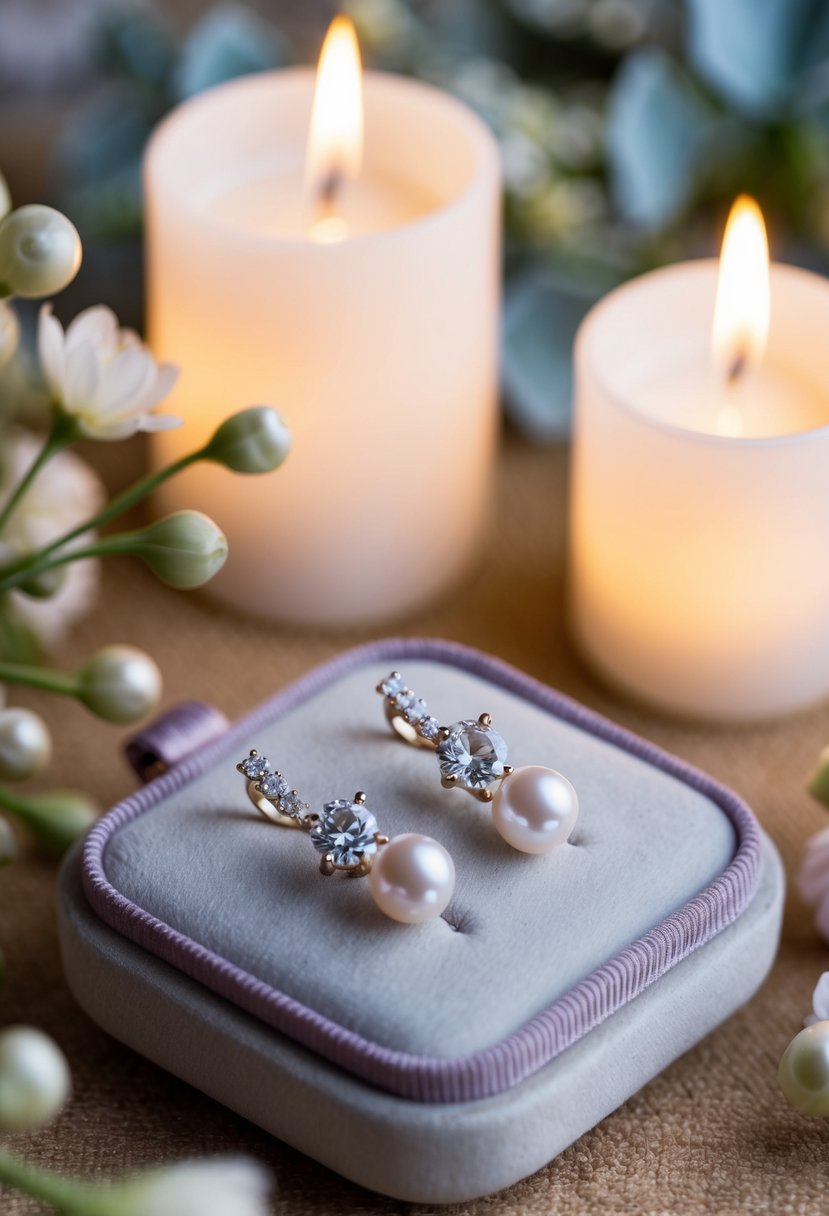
[{"x": 711, "y": 1134}]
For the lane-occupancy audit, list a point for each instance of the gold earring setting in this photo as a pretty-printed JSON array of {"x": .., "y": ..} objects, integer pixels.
[
  {"x": 411, "y": 877},
  {"x": 534, "y": 809}
]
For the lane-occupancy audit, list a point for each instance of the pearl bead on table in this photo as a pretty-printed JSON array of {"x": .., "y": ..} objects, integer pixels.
[
  {"x": 412, "y": 879},
  {"x": 804, "y": 1070},
  {"x": 535, "y": 809}
]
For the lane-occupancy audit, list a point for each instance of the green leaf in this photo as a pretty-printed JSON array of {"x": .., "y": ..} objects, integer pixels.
[
  {"x": 542, "y": 311},
  {"x": 752, "y": 52},
  {"x": 229, "y": 41},
  {"x": 657, "y": 126}
]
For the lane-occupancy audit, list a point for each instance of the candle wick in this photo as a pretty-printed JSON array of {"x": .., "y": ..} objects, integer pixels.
[
  {"x": 328, "y": 189},
  {"x": 736, "y": 367}
]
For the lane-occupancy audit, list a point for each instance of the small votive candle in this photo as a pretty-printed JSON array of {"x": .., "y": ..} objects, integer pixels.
[{"x": 698, "y": 571}]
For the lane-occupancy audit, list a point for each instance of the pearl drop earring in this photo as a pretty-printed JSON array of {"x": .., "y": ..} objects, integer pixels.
[
  {"x": 534, "y": 808},
  {"x": 411, "y": 877}
]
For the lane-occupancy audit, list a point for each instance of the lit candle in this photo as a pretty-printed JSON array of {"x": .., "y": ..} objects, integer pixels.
[
  {"x": 698, "y": 578},
  {"x": 354, "y": 285}
]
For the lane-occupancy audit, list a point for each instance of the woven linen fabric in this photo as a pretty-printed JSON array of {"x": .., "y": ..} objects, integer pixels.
[{"x": 712, "y": 1133}]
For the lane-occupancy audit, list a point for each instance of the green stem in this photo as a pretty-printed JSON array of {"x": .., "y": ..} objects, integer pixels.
[
  {"x": 47, "y": 678},
  {"x": 107, "y": 546},
  {"x": 65, "y": 1195},
  {"x": 14, "y": 803},
  {"x": 62, "y": 433},
  {"x": 20, "y": 571}
]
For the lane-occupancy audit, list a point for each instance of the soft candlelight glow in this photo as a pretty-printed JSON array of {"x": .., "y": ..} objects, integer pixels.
[
  {"x": 741, "y": 311},
  {"x": 335, "y": 137}
]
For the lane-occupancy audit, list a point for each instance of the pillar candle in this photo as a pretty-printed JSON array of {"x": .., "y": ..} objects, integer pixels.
[{"x": 378, "y": 347}]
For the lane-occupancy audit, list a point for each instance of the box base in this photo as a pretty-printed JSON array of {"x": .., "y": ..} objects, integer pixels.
[{"x": 413, "y": 1151}]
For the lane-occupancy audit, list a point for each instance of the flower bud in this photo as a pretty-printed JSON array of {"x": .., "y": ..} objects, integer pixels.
[
  {"x": 35, "y": 1081},
  {"x": 56, "y": 818},
  {"x": 120, "y": 683},
  {"x": 184, "y": 550},
  {"x": 9, "y": 332},
  {"x": 25, "y": 746},
  {"x": 256, "y": 440},
  {"x": 40, "y": 252},
  {"x": 218, "y": 1187},
  {"x": 8, "y": 845}
]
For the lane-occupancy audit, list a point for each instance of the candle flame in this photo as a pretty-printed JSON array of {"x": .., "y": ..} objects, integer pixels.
[
  {"x": 335, "y": 139},
  {"x": 742, "y": 308}
]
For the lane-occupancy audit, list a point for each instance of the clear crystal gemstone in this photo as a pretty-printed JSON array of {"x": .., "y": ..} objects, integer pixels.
[
  {"x": 345, "y": 830},
  {"x": 473, "y": 753},
  {"x": 416, "y": 711},
  {"x": 291, "y": 804},
  {"x": 273, "y": 785},
  {"x": 393, "y": 684},
  {"x": 254, "y": 766},
  {"x": 403, "y": 701},
  {"x": 428, "y": 727}
]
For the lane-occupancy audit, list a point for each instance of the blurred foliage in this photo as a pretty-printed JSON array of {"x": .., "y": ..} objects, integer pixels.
[
  {"x": 625, "y": 126},
  {"x": 143, "y": 74}
]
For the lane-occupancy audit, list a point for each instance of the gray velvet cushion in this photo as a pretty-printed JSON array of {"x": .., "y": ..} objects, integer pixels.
[{"x": 520, "y": 931}]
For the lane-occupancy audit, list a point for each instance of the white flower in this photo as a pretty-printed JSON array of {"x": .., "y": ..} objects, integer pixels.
[
  {"x": 820, "y": 1002},
  {"x": 63, "y": 495},
  {"x": 34, "y": 1078},
  {"x": 813, "y": 879},
  {"x": 224, "y": 1187},
  {"x": 102, "y": 375}
]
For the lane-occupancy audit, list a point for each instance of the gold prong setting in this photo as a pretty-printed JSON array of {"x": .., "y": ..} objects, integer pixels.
[
  {"x": 347, "y": 836},
  {"x": 266, "y": 785},
  {"x": 404, "y": 705}
]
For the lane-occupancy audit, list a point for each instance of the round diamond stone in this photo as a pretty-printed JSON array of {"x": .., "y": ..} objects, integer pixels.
[
  {"x": 393, "y": 684},
  {"x": 273, "y": 785},
  {"x": 291, "y": 804},
  {"x": 472, "y": 753},
  {"x": 428, "y": 727},
  {"x": 345, "y": 831},
  {"x": 416, "y": 711},
  {"x": 254, "y": 766}
]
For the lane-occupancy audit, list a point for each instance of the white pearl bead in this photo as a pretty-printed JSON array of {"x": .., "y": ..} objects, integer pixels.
[
  {"x": 412, "y": 878},
  {"x": 804, "y": 1070},
  {"x": 535, "y": 809}
]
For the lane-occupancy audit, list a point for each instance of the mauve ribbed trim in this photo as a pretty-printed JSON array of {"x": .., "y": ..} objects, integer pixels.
[{"x": 426, "y": 1078}]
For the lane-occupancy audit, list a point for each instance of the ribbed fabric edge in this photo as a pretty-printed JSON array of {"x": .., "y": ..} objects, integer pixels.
[{"x": 498, "y": 1068}]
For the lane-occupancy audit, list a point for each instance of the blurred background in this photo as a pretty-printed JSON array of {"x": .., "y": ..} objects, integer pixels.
[{"x": 626, "y": 128}]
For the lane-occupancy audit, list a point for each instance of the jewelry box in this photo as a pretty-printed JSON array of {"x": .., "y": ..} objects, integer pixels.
[{"x": 436, "y": 1062}]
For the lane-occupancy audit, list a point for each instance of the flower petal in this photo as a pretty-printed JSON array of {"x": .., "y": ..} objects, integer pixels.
[
  {"x": 106, "y": 429},
  {"x": 81, "y": 378},
  {"x": 50, "y": 350},
  {"x": 165, "y": 378},
  {"x": 159, "y": 422},
  {"x": 820, "y": 998},
  {"x": 98, "y": 326},
  {"x": 124, "y": 382}
]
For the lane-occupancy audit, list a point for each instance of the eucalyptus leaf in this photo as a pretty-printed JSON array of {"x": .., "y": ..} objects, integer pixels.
[
  {"x": 655, "y": 136},
  {"x": 542, "y": 311},
  {"x": 134, "y": 42},
  {"x": 229, "y": 41},
  {"x": 752, "y": 51}
]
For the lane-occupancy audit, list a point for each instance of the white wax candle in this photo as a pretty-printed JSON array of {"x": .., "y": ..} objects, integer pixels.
[
  {"x": 698, "y": 577},
  {"x": 379, "y": 349},
  {"x": 276, "y": 202}
]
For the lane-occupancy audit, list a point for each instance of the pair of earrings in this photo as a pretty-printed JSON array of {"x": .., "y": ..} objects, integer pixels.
[{"x": 412, "y": 877}]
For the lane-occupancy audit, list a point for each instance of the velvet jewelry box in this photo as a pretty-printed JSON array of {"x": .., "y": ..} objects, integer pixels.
[{"x": 439, "y": 1062}]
